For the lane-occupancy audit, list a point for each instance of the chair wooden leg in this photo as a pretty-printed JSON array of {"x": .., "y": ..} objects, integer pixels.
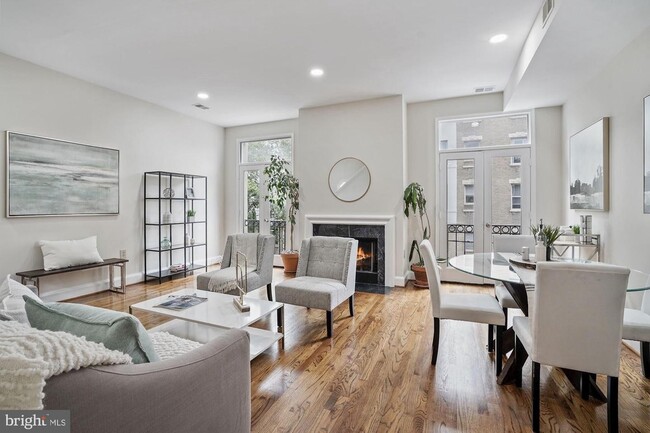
[
  {"x": 585, "y": 385},
  {"x": 351, "y": 302},
  {"x": 269, "y": 292},
  {"x": 517, "y": 353},
  {"x": 329, "y": 324},
  {"x": 490, "y": 338},
  {"x": 436, "y": 340},
  {"x": 536, "y": 380},
  {"x": 612, "y": 404},
  {"x": 645, "y": 359},
  {"x": 498, "y": 357}
]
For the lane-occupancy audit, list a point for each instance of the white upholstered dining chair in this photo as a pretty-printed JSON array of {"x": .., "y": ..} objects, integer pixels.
[
  {"x": 468, "y": 307},
  {"x": 636, "y": 326},
  {"x": 507, "y": 244},
  {"x": 577, "y": 324}
]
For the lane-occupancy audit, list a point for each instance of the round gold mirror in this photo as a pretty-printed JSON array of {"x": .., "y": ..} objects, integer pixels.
[{"x": 349, "y": 179}]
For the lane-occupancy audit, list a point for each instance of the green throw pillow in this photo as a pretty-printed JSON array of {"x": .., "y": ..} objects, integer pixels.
[{"x": 116, "y": 330}]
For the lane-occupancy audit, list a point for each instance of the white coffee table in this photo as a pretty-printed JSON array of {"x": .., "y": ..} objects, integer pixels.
[{"x": 205, "y": 321}]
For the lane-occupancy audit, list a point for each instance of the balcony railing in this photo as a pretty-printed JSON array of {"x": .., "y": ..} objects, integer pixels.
[
  {"x": 460, "y": 237},
  {"x": 278, "y": 229}
]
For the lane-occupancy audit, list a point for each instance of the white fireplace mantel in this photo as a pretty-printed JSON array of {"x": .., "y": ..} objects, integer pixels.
[{"x": 388, "y": 221}]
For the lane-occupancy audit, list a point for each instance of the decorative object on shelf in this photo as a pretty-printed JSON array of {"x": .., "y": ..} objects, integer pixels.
[
  {"x": 167, "y": 217},
  {"x": 192, "y": 241},
  {"x": 585, "y": 224},
  {"x": 168, "y": 193},
  {"x": 575, "y": 229},
  {"x": 415, "y": 202},
  {"x": 50, "y": 177},
  {"x": 646, "y": 154},
  {"x": 187, "y": 239},
  {"x": 241, "y": 281},
  {"x": 165, "y": 244},
  {"x": 189, "y": 192},
  {"x": 191, "y": 215},
  {"x": 349, "y": 179},
  {"x": 589, "y": 162},
  {"x": 178, "y": 267},
  {"x": 284, "y": 188}
]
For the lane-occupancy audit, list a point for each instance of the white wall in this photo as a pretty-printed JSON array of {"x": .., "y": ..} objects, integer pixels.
[
  {"x": 370, "y": 130},
  {"x": 39, "y": 101},
  {"x": 617, "y": 91},
  {"x": 231, "y": 157}
]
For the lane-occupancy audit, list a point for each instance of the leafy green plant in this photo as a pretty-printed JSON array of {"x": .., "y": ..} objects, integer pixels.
[
  {"x": 283, "y": 188},
  {"x": 576, "y": 230},
  {"x": 416, "y": 203},
  {"x": 549, "y": 234},
  {"x": 191, "y": 213}
]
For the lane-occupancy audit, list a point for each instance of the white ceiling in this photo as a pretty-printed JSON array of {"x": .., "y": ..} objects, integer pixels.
[{"x": 253, "y": 56}]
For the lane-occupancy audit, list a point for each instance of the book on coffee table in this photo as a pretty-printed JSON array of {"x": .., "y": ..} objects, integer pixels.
[{"x": 179, "y": 303}]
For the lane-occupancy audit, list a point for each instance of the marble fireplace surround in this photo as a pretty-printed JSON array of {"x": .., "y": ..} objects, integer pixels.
[{"x": 387, "y": 221}]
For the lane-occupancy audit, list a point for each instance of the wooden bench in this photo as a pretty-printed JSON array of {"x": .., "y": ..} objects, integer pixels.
[{"x": 34, "y": 276}]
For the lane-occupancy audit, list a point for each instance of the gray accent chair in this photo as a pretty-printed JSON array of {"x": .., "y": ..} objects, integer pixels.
[
  {"x": 325, "y": 278},
  {"x": 263, "y": 275},
  {"x": 205, "y": 390}
]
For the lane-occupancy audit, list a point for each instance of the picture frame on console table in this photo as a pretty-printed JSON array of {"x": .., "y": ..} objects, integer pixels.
[
  {"x": 646, "y": 154},
  {"x": 589, "y": 167},
  {"x": 51, "y": 177}
]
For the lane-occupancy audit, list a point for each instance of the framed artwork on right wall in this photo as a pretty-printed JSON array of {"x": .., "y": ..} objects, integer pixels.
[
  {"x": 646, "y": 154},
  {"x": 589, "y": 167}
]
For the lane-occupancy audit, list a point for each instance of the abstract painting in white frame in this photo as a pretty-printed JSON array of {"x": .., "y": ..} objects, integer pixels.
[
  {"x": 50, "y": 177},
  {"x": 589, "y": 163}
]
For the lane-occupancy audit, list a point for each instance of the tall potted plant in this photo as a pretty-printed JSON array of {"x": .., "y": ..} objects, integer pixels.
[
  {"x": 283, "y": 188},
  {"x": 416, "y": 203}
]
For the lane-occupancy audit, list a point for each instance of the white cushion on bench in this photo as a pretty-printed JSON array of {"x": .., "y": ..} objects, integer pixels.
[{"x": 63, "y": 254}]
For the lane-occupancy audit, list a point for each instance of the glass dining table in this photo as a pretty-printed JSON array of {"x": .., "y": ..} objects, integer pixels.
[{"x": 518, "y": 277}]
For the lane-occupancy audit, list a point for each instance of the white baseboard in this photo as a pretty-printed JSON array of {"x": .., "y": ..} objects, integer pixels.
[
  {"x": 400, "y": 281},
  {"x": 100, "y": 286}
]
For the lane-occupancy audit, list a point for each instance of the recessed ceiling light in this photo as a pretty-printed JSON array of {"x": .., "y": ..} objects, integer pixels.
[
  {"x": 316, "y": 72},
  {"x": 202, "y": 95},
  {"x": 498, "y": 38}
]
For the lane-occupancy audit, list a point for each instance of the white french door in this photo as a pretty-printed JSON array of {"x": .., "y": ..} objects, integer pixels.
[{"x": 481, "y": 193}]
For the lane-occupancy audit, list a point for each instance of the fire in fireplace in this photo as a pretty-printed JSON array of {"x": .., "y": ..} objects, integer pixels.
[{"x": 367, "y": 261}]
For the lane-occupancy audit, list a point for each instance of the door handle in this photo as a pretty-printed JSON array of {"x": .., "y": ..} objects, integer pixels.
[
  {"x": 266, "y": 220},
  {"x": 488, "y": 225}
]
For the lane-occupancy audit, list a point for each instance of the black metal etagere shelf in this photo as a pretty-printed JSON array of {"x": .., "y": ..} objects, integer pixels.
[{"x": 155, "y": 185}]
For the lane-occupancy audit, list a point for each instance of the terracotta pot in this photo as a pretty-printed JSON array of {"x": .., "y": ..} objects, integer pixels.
[
  {"x": 290, "y": 262},
  {"x": 421, "y": 280}
]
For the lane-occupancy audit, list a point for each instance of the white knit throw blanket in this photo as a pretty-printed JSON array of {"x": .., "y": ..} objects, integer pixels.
[
  {"x": 169, "y": 346},
  {"x": 29, "y": 356}
]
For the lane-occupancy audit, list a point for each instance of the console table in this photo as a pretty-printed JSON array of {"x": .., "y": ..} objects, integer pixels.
[{"x": 34, "y": 276}]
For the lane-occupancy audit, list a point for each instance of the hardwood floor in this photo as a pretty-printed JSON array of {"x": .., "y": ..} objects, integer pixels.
[{"x": 375, "y": 374}]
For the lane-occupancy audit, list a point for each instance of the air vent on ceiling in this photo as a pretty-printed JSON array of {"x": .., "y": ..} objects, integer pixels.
[
  {"x": 547, "y": 8},
  {"x": 485, "y": 89},
  {"x": 201, "y": 106}
]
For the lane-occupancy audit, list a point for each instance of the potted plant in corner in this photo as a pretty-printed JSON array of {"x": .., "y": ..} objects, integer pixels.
[
  {"x": 283, "y": 188},
  {"x": 415, "y": 202}
]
